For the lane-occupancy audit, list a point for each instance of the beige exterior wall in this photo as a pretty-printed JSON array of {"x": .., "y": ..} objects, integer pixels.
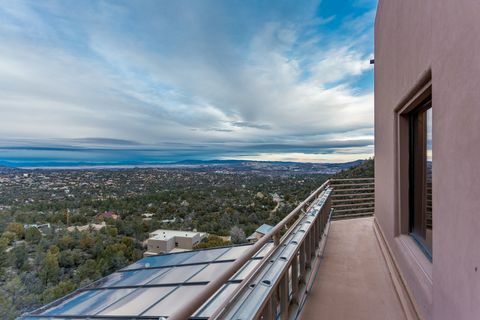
[
  {"x": 164, "y": 245},
  {"x": 160, "y": 246},
  {"x": 415, "y": 38}
]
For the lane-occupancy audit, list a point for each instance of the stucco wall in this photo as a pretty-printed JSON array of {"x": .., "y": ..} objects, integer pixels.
[{"x": 412, "y": 37}]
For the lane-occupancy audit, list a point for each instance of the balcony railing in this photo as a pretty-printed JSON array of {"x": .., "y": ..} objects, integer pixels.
[
  {"x": 353, "y": 197},
  {"x": 279, "y": 284}
]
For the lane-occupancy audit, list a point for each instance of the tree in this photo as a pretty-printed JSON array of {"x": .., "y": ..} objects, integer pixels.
[
  {"x": 33, "y": 235},
  {"x": 237, "y": 235},
  {"x": 8, "y": 236},
  {"x": 19, "y": 256},
  {"x": 14, "y": 297},
  {"x": 211, "y": 242},
  {"x": 16, "y": 228},
  {"x": 50, "y": 269},
  {"x": 58, "y": 291}
]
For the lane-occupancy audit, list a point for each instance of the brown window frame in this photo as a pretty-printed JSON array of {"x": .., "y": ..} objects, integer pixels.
[
  {"x": 410, "y": 104},
  {"x": 418, "y": 185}
]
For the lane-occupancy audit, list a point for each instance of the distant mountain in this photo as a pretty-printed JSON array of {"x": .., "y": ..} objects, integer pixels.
[
  {"x": 225, "y": 166},
  {"x": 267, "y": 167}
]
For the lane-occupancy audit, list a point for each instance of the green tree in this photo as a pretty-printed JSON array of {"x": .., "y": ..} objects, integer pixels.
[
  {"x": 58, "y": 291},
  {"x": 33, "y": 235},
  {"x": 16, "y": 228},
  {"x": 19, "y": 257},
  {"x": 50, "y": 269}
]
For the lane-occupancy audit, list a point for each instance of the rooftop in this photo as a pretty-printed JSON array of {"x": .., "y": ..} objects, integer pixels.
[
  {"x": 162, "y": 234},
  {"x": 264, "y": 228}
]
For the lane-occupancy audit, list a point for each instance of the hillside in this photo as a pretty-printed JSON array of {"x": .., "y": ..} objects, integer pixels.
[{"x": 363, "y": 170}]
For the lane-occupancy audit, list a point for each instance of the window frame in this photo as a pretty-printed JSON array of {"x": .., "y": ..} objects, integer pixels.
[
  {"x": 417, "y": 177},
  {"x": 412, "y": 104}
]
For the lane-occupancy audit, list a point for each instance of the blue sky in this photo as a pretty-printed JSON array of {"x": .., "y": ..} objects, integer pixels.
[{"x": 154, "y": 81}]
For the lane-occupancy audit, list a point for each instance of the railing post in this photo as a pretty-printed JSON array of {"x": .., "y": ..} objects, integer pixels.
[
  {"x": 276, "y": 239},
  {"x": 308, "y": 254},
  {"x": 302, "y": 263},
  {"x": 295, "y": 279},
  {"x": 268, "y": 313},
  {"x": 284, "y": 302}
]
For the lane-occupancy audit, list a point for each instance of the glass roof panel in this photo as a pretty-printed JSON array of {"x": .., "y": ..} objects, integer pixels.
[
  {"x": 210, "y": 271},
  {"x": 234, "y": 252},
  {"x": 141, "y": 277},
  {"x": 206, "y": 255},
  {"x": 88, "y": 302},
  {"x": 266, "y": 249},
  {"x": 137, "y": 302},
  {"x": 162, "y": 260},
  {"x": 213, "y": 304},
  {"x": 112, "y": 279},
  {"x": 178, "y": 274},
  {"x": 174, "y": 301},
  {"x": 246, "y": 269}
]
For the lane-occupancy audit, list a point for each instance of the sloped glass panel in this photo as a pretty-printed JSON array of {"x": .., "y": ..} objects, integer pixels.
[
  {"x": 178, "y": 274},
  {"x": 161, "y": 260},
  {"x": 266, "y": 249},
  {"x": 88, "y": 302},
  {"x": 174, "y": 301},
  {"x": 234, "y": 252},
  {"x": 137, "y": 302},
  {"x": 210, "y": 271},
  {"x": 206, "y": 256},
  {"x": 214, "y": 303},
  {"x": 245, "y": 271}
]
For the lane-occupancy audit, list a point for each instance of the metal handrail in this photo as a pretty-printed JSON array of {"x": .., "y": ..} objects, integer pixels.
[{"x": 196, "y": 302}]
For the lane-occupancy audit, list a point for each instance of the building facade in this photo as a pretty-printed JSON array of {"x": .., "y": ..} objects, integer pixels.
[
  {"x": 164, "y": 241},
  {"x": 427, "y": 150}
]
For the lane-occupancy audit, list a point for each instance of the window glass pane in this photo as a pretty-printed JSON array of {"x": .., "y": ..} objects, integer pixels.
[
  {"x": 428, "y": 191},
  {"x": 421, "y": 162}
]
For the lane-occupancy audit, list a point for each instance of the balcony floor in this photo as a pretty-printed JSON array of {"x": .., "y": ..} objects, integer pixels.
[{"x": 353, "y": 281}]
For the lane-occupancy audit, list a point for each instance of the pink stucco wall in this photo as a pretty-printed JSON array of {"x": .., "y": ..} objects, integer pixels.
[{"x": 411, "y": 38}]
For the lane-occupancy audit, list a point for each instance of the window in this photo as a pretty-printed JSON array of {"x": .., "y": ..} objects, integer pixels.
[{"x": 420, "y": 175}]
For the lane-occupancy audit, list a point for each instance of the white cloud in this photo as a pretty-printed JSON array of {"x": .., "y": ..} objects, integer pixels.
[{"x": 180, "y": 79}]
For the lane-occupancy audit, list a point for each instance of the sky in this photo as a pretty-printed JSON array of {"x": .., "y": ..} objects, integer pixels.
[{"x": 127, "y": 82}]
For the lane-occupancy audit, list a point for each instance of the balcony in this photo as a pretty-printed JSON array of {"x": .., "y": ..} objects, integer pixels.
[
  {"x": 353, "y": 281},
  {"x": 292, "y": 272}
]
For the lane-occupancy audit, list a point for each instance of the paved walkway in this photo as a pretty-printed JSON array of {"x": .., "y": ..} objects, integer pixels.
[{"x": 353, "y": 281}]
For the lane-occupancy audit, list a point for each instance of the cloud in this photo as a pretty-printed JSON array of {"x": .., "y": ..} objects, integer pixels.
[{"x": 217, "y": 79}]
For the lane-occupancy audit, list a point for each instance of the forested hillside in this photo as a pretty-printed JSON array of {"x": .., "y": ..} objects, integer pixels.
[{"x": 363, "y": 170}]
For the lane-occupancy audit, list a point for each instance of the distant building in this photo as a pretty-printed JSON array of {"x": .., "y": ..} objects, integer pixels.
[
  {"x": 260, "y": 232},
  {"x": 41, "y": 227},
  {"x": 108, "y": 215},
  {"x": 164, "y": 241},
  {"x": 90, "y": 226}
]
